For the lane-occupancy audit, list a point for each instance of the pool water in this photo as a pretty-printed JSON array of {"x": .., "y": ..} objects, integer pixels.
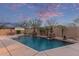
[{"x": 41, "y": 44}]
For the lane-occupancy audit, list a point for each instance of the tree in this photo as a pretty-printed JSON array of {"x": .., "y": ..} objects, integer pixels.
[
  {"x": 2, "y": 26},
  {"x": 51, "y": 24},
  {"x": 24, "y": 24},
  {"x": 76, "y": 21},
  {"x": 76, "y": 24},
  {"x": 62, "y": 27},
  {"x": 35, "y": 24}
]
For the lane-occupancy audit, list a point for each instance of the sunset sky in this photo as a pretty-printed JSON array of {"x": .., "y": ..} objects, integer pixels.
[{"x": 64, "y": 13}]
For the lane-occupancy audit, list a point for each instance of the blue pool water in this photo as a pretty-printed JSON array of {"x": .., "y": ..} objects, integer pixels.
[{"x": 41, "y": 44}]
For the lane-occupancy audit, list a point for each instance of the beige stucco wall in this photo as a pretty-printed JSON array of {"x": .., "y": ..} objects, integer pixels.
[
  {"x": 57, "y": 31},
  {"x": 13, "y": 31},
  {"x": 7, "y": 31},
  {"x": 69, "y": 32}
]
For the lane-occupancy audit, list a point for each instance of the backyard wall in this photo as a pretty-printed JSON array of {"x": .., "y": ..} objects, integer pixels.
[
  {"x": 70, "y": 32},
  {"x": 57, "y": 31},
  {"x": 7, "y": 31}
]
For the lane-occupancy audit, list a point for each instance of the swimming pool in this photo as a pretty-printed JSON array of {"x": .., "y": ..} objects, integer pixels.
[{"x": 41, "y": 44}]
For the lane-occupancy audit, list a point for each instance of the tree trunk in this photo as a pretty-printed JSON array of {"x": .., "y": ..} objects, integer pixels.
[
  {"x": 34, "y": 32},
  {"x": 62, "y": 32},
  {"x": 25, "y": 31}
]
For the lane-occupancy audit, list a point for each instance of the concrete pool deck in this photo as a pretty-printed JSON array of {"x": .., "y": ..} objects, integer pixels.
[{"x": 9, "y": 47}]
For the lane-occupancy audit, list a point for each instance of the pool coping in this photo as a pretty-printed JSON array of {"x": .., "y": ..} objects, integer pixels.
[{"x": 46, "y": 49}]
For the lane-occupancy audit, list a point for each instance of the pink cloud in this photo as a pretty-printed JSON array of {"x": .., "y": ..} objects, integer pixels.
[
  {"x": 54, "y": 6},
  {"x": 48, "y": 14}
]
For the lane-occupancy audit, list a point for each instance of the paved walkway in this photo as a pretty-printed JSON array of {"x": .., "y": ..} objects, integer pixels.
[{"x": 9, "y": 47}]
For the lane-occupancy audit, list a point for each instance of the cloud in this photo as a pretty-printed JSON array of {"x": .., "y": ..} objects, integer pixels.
[
  {"x": 51, "y": 6},
  {"x": 23, "y": 17},
  {"x": 48, "y": 14},
  {"x": 30, "y": 5},
  {"x": 15, "y": 6}
]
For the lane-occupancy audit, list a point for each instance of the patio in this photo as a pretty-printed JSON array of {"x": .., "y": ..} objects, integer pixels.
[{"x": 9, "y": 47}]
